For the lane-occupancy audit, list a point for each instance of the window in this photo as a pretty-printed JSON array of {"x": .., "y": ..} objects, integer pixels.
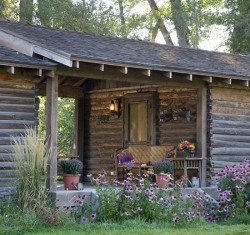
[{"x": 139, "y": 119}]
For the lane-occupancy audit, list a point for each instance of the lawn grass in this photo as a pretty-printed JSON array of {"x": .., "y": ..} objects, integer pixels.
[{"x": 133, "y": 227}]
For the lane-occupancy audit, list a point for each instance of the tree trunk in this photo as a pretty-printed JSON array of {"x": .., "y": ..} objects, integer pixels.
[
  {"x": 121, "y": 12},
  {"x": 26, "y": 11},
  {"x": 2, "y": 8},
  {"x": 162, "y": 27},
  {"x": 180, "y": 22}
]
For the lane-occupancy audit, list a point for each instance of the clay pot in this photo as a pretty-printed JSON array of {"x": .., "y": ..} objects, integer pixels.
[
  {"x": 70, "y": 181},
  {"x": 162, "y": 180}
]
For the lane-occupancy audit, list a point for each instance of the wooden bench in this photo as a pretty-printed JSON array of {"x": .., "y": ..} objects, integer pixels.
[{"x": 144, "y": 156}]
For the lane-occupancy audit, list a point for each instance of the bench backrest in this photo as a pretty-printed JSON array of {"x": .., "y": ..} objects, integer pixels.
[{"x": 145, "y": 153}]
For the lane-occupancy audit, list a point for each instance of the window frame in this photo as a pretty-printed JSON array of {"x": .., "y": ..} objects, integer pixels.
[{"x": 148, "y": 97}]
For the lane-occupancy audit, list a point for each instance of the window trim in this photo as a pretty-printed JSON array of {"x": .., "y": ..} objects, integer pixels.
[{"x": 136, "y": 98}]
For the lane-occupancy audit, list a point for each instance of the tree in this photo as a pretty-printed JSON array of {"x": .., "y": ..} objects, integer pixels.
[
  {"x": 26, "y": 11},
  {"x": 237, "y": 19}
]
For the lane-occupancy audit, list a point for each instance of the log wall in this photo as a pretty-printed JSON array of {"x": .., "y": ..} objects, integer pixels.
[
  {"x": 104, "y": 134},
  {"x": 18, "y": 110},
  {"x": 229, "y": 125}
]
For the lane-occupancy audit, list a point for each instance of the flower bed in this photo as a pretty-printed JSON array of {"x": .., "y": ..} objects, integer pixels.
[{"x": 136, "y": 197}]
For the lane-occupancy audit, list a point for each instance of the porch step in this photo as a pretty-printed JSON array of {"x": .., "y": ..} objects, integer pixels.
[{"x": 66, "y": 198}]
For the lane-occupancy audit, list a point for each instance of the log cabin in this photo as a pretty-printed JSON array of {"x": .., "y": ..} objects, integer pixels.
[{"x": 163, "y": 94}]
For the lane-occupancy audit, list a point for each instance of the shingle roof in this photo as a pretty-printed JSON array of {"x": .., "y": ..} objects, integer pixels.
[
  {"x": 13, "y": 57},
  {"x": 132, "y": 52}
]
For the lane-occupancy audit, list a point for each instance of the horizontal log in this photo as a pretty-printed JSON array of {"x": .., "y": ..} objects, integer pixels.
[
  {"x": 173, "y": 141},
  {"x": 184, "y": 94},
  {"x": 26, "y": 86},
  {"x": 177, "y": 125},
  {"x": 17, "y": 108},
  {"x": 7, "y": 165},
  {"x": 181, "y": 134},
  {"x": 16, "y": 100},
  {"x": 16, "y": 116},
  {"x": 231, "y": 138},
  {"x": 104, "y": 154},
  {"x": 7, "y": 157},
  {"x": 231, "y": 151},
  {"x": 230, "y": 117},
  {"x": 100, "y": 149},
  {"x": 225, "y": 94},
  {"x": 7, "y": 182},
  {"x": 229, "y": 104},
  {"x": 229, "y": 158},
  {"x": 230, "y": 131},
  {"x": 9, "y": 140},
  {"x": 221, "y": 144},
  {"x": 10, "y": 132},
  {"x": 230, "y": 111},
  {"x": 230, "y": 124},
  {"x": 99, "y": 161},
  {"x": 16, "y": 124},
  {"x": 16, "y": 92},
  {"x": 222, "y": 164},
  {"x": 8, "y": 174},
  {"x": 103, "y": 142}
]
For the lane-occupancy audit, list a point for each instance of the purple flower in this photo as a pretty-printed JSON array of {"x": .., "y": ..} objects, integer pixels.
[
  {"x": 93, "y": 216},
  {"x": 176, "y": 219},
  {"x": 139, "y": 208},
  {"x": 248, "y": 203},
  {"x": 225, "y": 208},
  {"x": 84, "y": 220},
  {"x": 127, "y": 213},
  {"x": 209, "y": 219},
  {"x": 216, "y": 218},
  {"x": 89, "y": 175}
]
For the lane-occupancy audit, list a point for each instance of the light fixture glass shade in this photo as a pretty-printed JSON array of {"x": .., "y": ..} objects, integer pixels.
[{"x": 112, "y": 106}]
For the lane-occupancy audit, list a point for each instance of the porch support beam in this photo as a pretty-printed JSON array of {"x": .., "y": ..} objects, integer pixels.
[
  {"x": 79, "y": 129},
  {"x": 89, "y": 71},
  {"x": 10, "y": 70},
  {"x": 146, "y": 72},
  {"x": 124, "y": 70},
  {"x": 202, "y": 131},
  {"x": 51, "y": 129},
  {"x": 208, "y": 79},
  {"x": 167, "y": 74}
]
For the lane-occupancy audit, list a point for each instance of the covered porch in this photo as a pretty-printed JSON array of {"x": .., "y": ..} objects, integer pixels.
[{"x": 177, "y": 110}]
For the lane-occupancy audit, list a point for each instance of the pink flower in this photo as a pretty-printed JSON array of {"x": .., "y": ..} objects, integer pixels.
[
  {"x": 248, "y": 203},
  {"x": 93, "y": 216},
  {"x": 84, "y": 220}
]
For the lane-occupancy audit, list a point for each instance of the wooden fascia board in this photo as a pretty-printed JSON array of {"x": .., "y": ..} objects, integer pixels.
[
  {"x": 165, "y": 69},
  {"x": 28, "y": 66},
  {"x": 52, "y": 55},
  {"x": 29, "y": 47}
]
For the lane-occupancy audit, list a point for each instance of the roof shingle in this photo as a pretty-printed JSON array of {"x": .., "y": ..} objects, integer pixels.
[{"x": 134, "y": 52}]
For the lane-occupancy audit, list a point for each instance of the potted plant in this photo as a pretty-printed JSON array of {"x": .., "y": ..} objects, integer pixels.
[
  {"x": 162, "y": 170},
  {"x": 187, "y": 147},
  {"x": 71, "y": 172}
]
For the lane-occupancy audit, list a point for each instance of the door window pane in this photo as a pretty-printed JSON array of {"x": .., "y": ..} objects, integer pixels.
[{"x": 138, "y": 122}]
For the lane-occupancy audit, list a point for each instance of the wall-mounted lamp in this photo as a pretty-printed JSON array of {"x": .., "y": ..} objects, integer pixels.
[{"x": 115, "y": 108}]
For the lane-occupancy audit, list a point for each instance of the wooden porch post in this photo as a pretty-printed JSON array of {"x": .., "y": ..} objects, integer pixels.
[
  {"x": 51, "y": 129},
  {"x": 202, "y": 131},
  {"x": 79, "y": 128}
]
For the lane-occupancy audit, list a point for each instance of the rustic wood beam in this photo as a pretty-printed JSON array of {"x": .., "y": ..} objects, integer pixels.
[
  {"x": 100, "y": 67},
  {"x": 49, "y": 73},
  {"x": 208, "y": 79},
  {"x": 88, "y": 70},
  {"x": 51, "y": 130},
  {"x": 146, "y": 72},
  {"x": 76, "y": 64},
  {"x": 124, "y": 70},
  {"x": 80, "y": 82},
  {"x": 227, "y": 80},
  {"x": 168, "y": 74},
  {"x": 10, "y": 69},
  {"x": 39, "y": 72},
  {"x": 244, "y": 83},
  {"x": 202, "y": 130},
  {"x": 188, "y": 77},
  {"x": 63, "y": 91}
]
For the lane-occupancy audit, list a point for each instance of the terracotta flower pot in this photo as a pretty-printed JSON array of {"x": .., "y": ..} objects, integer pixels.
[
  {"x": 70, "y": 181},
  {"x": 162, "y": 180}
]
